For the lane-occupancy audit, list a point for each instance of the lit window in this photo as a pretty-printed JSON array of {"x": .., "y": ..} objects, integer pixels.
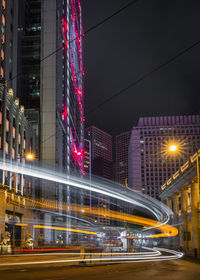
[
  {"x": 2, "y": 72},
  {"x": 13, "y": 132},
  {"x": 7, "y": 125},
  {"x": 3, "y": 20},
  {"x": 6, "y": 148},
  {"x": 13, "y": 153},
  {"x": 3, "y": 38},
  {"x": 4, "y": 4},
  {"x": 2, "y": 54}
]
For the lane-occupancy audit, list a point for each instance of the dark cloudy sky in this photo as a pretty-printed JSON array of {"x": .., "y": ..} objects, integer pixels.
[{"x": 131, "y": 44}]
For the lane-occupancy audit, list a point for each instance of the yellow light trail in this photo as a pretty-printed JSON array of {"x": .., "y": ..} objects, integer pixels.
[
  {"x": 65, "y": 229},
  {"x": 167, "y": 230}
]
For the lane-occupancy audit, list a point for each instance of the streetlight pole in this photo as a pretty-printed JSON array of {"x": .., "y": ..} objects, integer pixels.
[{"x": 90, "y": 169}]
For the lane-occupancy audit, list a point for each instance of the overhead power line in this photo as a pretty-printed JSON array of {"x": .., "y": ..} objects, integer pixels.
[
  {"x": 85, "y": 33},
  {"x": 144, "y": 76},
  {"x": 111, "y": 16}
]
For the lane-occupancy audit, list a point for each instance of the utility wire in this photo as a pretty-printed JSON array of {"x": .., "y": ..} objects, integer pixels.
[
  {"x": 85, "y": 33},
  {"x": 144, "y": 76},
  {"x": 111, "y": 16}
]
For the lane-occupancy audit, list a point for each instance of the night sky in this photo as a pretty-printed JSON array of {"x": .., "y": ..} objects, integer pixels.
[{"x": 131, "y": 44}]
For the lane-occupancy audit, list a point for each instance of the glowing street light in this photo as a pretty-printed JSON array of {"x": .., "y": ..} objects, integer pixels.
[
  {"x": 173, "y": 148},
  {"x": 30, "y": 156}
]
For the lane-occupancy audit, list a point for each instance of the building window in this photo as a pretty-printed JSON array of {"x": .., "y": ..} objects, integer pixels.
[
  {"x": 6, "y": 148},
  {"x": 7, "y": 125},
  {"x": 2, "y": 54},
  {"x": 13, "y": 153},
  {"x": 3, "y": 20},
  {"x": 2, "y": 72},
  {"x": 4, "y": 4}
]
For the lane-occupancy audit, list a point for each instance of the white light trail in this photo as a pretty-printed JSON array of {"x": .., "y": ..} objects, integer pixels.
[
  {"x": 119, "y": 258},
  {"x": 107, "y": 190}
]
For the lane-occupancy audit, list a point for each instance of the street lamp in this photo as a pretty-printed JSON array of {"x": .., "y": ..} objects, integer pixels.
[
  {"x": 29, "y": 156},
  {"x": 173, "y": 148}
]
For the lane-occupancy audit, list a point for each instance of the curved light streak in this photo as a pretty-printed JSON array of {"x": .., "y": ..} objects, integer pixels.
[
  {"x": 83, "y": 184},
  {"x": 147, "y": 257}
]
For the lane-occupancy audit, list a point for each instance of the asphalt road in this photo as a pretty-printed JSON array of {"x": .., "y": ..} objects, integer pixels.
[{"x": 173, "y": 270}]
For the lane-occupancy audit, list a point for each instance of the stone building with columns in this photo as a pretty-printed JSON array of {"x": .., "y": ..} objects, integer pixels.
[
  {"x": 181, "y": 194},
  {"x": 17, "y": 138}
]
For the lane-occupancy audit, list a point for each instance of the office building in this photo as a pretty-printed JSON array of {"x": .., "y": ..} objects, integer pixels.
[
  {"x": 101, "y": 164},
  {"x": 122, "y": 143},
  {"x": 42, "y": 57},
  {"x": 101, "y": 152},
  {"x": 149, "y": 162},
  {"x": 42, "y": 41}
]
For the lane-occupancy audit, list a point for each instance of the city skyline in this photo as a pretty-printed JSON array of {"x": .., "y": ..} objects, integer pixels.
[{"x": 99, "y": 139}]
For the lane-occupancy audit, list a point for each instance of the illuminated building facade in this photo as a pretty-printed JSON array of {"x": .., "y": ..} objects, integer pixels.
[
  {"x": 181, "y": 194},
  {"x": 61, "y": 99},
  {"x": 61, "y": 102},
  {"x": 17, "y": 138},
  {"x": 41, "y": 59},
  {"x": 149, "y": 166},
  {"x": 3, "y": 36},
  {"x": 8, "y": 33},
  {"x": 122, "y": 143},
  {"x": 42, "y": 41}
]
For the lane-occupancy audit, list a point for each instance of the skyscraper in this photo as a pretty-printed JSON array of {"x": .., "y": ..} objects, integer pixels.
[
  {"x": 102, "y": 165},
  {"x": 122, "y": 143},
  {"x": 8, "y": 32},
  {"x": 41, "y": 59},
  {"x": 42, "y": 42},
  {"x": 149, "y": 163},
  {"x": 2, "y": 41},
  {"x": 101, "y": 150}
]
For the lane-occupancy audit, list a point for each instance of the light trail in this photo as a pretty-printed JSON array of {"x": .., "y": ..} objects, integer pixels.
[
  {"x": 153, "y": 252},
  {"x": 65, "y": 229},
  {"x": 119, "y": 258},
  {"x": 167, "y": 230},
  {"x": 101, "y": 188}
]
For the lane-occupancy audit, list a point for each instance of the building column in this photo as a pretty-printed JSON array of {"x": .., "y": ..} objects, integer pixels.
[
  {"x": 169, "y": 202},
  {"x": 184, "y": 205},
  {"x": 176, "y": 203},
  {"x": 194, "y": 217},
  {"x": 3, "y": 197},
  {"x": 176, "y": 239}
]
